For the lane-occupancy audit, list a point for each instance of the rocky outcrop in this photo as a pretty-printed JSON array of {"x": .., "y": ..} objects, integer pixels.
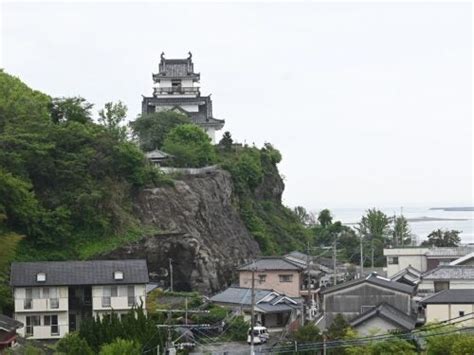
[{"x": 200, "y": 230}]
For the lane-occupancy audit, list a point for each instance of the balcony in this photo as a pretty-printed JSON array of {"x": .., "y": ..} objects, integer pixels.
[{"x": 176, "y": 90}]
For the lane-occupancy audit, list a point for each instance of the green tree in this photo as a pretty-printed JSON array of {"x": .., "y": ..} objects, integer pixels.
[
  {"x": 71, "y": 109},
  {"x": 190, "y": 146},
  {"x": 308, "y": 333},
  {"x": 464, "y": 345},
  {"x": 440, "y": 238},
  {"x": 112, "y": 117},
  {"x": 325, "y": 218},
  {"x": 338, "y": 327},
  {"x": 375, "y": 229},
  {"x": 121, "y": 347},
  {"x": 73, "y": 344},
  {"x": 151, "y": 129},
  {"x": 401, "y": 233},
  {"x": 306, "y": 218},
  {"x": 226, "y": 141}
]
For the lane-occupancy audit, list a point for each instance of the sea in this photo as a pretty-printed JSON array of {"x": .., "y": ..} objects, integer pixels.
[{"x": 422, "y": 220}]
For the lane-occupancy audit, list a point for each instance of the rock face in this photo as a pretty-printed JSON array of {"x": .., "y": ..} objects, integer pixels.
[{"x": 200, "y": 230}]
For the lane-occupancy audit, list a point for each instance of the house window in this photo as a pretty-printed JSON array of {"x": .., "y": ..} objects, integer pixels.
[
  {"x": 441, "y": 285},
  {"x": 262, "y": 278},
  {"x": 461, "y": 313},
  {"x": 52, "y": 321},
  {"x": 279, "y": 319},
  {"x": 31, "y": 322},
  {"x": 392, "y": 260},
  {"x": 118, "y": 275},
  {"x": 107, "y": 293},
  {"x": 286, "y": 278},
  {"x": 40, "y": 277},
  {"x": 131, "y": 295},
  {"x": 53, "y": 298},
  {"x": 28, "y": 298}
]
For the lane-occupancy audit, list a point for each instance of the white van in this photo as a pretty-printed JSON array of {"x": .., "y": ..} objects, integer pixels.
[{"x": 260, "y": 335}]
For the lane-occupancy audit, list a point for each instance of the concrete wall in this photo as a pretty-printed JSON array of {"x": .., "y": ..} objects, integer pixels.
[
  {"x": 442, "y": 312},
  {"x": 272, "y": 281}
]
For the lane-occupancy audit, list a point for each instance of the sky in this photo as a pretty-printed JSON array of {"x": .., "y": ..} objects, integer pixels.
[{"x": 370, "y": 104}]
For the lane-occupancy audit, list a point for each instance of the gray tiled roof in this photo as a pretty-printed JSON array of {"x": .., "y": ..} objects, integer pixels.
[
  {"x": 94, "y": 272},
  {"x": 463, "y": 296},
  {"x": 375, "y": 280},
  {"x": 8, "y": 324},
  {"x": 240, "y": 295},
  {"x": 389, "y": 313},
  {"x": 270, "y": 263},
  {"x": 450, "y": 272},
  {"x": 454, "y": 251}
]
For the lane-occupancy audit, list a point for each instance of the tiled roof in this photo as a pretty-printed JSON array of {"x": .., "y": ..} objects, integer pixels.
[
  {"x": 462, "y": 259},
  {"x": 240, "y": 295},
  {"x": 374, "y": 280},
  {"x": 270, "y": 263},
  {"x": 157, "y": 154},
  {"x": 410, "y": 274},
  {"x": 448, "y": 252},
  {"x": 389, "y": 313},
  {"x": 9, "y": 324},
  {"x": 450, "y": 272},
  {"x": 463, "y": 296},
  {"x": 243, "y": 296},
  {"x": 94, "y": 272}
]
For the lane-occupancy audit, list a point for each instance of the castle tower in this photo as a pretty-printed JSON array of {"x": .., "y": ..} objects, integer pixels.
[{"x": 177, "y": 89}]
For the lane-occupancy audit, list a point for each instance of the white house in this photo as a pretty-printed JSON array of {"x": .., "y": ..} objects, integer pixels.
[
  {"x": 177, "y": 89},
  {"x": 422, "y": 258},
  {"x": 456, "y": 305},
  {"x": 446, "y": 277},
  {"x": 51, "y": 298}
]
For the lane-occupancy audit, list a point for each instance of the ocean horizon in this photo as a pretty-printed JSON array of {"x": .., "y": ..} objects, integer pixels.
[{"x": 422, "y": 220}]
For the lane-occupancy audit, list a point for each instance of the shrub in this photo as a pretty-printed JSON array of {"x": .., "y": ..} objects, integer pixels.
[
  {"x": 121, "y": 347},
  {"x": 73, "y": 344}
]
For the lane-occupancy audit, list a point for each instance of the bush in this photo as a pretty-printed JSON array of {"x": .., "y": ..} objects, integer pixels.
[
  {"x": 121, "y": 347},
  {"x": 73, "y": 344},
  {"x": 190, "y": 146}
]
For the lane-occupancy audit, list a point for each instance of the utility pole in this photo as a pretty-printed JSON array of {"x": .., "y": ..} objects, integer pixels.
[
  {"x": 334, "y": 260},
  {"x": 361, "y": 256},
  {"x": 252, "y": 312},
  {"x": 186, "y": 310},
  {"x": 372, "y": 251},
  {"x": 309, "y": 284},
  {"x": 171, "y": 273}
]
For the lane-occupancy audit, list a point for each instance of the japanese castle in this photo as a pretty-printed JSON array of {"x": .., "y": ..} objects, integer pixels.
[{"x": 177, "y": 89}]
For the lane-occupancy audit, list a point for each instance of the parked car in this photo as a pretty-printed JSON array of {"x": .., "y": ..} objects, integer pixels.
[{"x": 260, "y": 335}]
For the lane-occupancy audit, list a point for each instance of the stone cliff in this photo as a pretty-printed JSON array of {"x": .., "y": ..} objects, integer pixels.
[{"x": 200, "y": 230}]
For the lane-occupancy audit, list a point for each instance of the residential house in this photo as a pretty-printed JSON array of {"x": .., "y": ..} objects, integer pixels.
[
  {"x": 465, "y": 260},
  {"x": 384, "y": 318},
  {"x": 422, "y": 258},
  {"x": 355, "y": 298},
  {"x": 446, "y": 277},
  {"x": 272, "y": 309},
  {"x": 454, "y": 304},
  {"x": 51, "y": 298},
  {"x": 273, "y": 273},
  {"x": 409, "y": 276},
  {"x": 8, "y": 328}
]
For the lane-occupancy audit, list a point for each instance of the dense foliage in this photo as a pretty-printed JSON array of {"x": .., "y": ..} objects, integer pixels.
[
  {"x": 443, "y": 238},
  {"x": 151, "y": 129},
  {"x": 190, "y": 147}
]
